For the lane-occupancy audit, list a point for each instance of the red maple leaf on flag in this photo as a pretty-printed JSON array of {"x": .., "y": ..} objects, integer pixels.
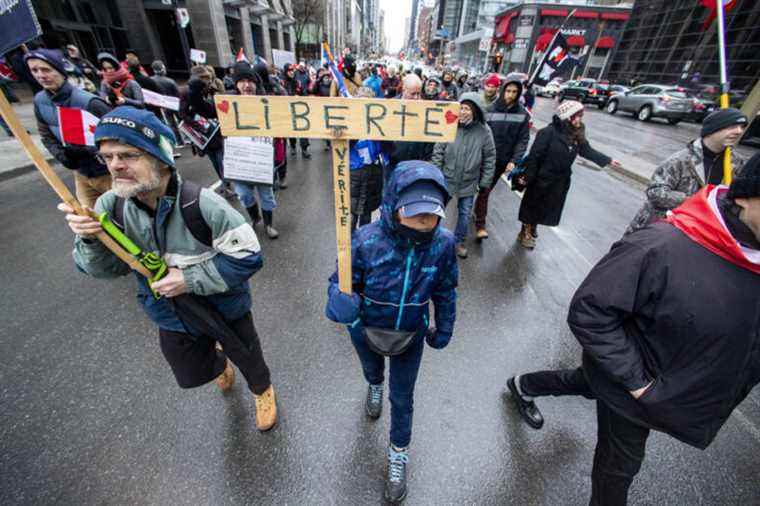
[{"x": 92, "y": 129}]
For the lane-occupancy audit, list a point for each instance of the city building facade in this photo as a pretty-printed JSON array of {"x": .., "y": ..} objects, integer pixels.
[
  {"x": 522, "y": 34},
  {"x": 153, "y": 29},
  {"x": 667, "y": 42}
]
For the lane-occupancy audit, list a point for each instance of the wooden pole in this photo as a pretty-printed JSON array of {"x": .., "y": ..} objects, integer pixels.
[
  {"x": 342, "y": 185},
  {"x": 59, "y": 187}
]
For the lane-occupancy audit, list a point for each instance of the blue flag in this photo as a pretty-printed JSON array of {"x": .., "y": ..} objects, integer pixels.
[
  {"x": 18, "y": 24},
  {"x": 327, "y": 57}
]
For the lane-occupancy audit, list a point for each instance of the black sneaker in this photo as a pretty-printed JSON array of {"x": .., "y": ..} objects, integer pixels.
[
  {"x": 395, "y": 483},
  {"x": 528, "y": 409},
  {"x": 374, "y": 400},
  {"x": 305, "y": 154}
]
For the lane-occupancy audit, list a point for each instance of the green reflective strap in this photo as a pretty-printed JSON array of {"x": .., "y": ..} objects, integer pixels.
[
  {"x": 151, "y": 261},
  {"x": 118, "y": 236}
]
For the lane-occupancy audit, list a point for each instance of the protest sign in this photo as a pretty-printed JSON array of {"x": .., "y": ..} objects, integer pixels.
[
  {"x": 280, "y": 57},
  {"x": 18, "y": 24},
  {"x": 199, "y": 132},
  {"x": 249, "y": 159},
  {"x": 339, "y": 119},
  {"x": 197, "y": 56},
  {"x": 158, "y": 100},
  {"x": 318, "y": 117}
]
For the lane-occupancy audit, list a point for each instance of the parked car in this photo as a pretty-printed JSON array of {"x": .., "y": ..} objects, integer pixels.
[
  {"x": 551, "y": 89},
  {"x": 653, "y": 101}
]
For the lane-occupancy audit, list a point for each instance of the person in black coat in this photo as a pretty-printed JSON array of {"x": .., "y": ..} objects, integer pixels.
[
  {"x": 548, "y": 170},
  {"x": 509, "y": 122},
  {"x": 402, "y": 151},
  {"x": 669, "y": 324}
]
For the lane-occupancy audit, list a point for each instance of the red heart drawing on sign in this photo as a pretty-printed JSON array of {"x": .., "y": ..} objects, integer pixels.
[
  {"x": 451, "y": 117},
  {"x": 224, "y": 106}
]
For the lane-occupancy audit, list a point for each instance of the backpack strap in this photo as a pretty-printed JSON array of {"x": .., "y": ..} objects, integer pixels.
[
  {"x": 117, "y": 214},
  {"x": 190, "y": 206}
]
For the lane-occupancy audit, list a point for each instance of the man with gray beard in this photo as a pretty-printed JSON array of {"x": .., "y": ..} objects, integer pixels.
[{"x": 209, "y": 248}]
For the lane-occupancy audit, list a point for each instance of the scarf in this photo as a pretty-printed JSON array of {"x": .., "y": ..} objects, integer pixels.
[
  {"x": 115, "y": 76},
  {"x": 700, "y": 219}
]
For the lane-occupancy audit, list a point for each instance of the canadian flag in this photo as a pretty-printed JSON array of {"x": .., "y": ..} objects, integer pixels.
[
  {"x": 77, "y": 126},
  {"x": 713, "y": 6},
  {"x": 241, "y": 56}
]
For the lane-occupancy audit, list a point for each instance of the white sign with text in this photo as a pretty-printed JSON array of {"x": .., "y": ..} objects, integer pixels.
[{"x": 249, "y": 159}]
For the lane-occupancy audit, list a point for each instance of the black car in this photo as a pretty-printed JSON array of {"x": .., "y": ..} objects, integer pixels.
[{"x": 588, "y": 91}]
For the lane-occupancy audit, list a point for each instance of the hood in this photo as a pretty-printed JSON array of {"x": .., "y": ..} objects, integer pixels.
[
  {"x": 110, "y": 58},
  {"x": 477, "y": 101},
  {"x": 402, "y": 177},
  {"x": 699, "y": 218},
  {"x": 500, "y": 103}
]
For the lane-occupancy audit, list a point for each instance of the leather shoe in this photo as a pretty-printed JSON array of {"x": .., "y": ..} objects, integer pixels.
[{"x": 528, "y": 409}]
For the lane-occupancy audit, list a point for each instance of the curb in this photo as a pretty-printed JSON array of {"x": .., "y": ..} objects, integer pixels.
[
  {"x": 22, "y": 170},
  {"x": 630, "y": 174}
]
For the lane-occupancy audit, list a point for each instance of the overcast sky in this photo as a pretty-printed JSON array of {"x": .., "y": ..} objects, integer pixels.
[{"x": 396, "y": 12}]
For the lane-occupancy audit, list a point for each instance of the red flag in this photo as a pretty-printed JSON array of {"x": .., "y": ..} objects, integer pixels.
[
  {"x": 241, "y": 56},
  {"x": 713, "y": 6},
  {"x": 77, "y": 126}
]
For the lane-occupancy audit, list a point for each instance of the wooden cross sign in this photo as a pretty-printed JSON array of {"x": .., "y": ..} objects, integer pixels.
[{"x": 338, "y": 119}]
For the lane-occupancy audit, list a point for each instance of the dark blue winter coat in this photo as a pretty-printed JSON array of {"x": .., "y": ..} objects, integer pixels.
[{"x": 396, "y": 278}]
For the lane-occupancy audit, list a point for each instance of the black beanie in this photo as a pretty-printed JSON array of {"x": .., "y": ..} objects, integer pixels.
[
  {"x": 722, "y": 118},
  {"x": 243, "y": 70},
  {"x": 746, "y": 184}
]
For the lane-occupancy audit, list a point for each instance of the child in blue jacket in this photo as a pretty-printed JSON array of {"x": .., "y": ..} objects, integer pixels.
[{"x": 399, "y": 264}]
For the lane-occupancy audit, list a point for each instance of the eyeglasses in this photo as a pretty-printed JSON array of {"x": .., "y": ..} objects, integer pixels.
[{"x": 128, "y": 157}]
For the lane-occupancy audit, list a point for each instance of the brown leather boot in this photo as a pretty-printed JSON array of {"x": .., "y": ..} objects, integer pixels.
[
  {"x": 266, "y": 409},
  {"x": 227, "y": 378}
]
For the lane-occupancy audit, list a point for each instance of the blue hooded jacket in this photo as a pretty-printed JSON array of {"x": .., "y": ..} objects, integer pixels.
[{"x": 396, "y": 278}]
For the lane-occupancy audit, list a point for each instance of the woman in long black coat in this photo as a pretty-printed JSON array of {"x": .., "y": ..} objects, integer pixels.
[{"x": 548, "y": 170}]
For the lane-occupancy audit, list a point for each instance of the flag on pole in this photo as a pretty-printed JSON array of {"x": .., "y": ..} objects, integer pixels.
[
  {"x": 557, "y": 60},
  {"x": 77, "y": 126},
  {"x": 241, "y": 56},
  {"x": 327, "y": 57},
  {"x": 713, "y": 6}
]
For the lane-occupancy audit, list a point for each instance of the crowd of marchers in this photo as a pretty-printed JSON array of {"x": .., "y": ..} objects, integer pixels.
[{"x": 662, "y": 348}]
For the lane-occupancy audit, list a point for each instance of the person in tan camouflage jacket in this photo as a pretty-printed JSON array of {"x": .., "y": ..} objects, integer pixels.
[{"x": 688, "y": 170}]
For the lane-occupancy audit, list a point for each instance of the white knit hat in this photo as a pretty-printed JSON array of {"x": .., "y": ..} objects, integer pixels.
[{"x": 568, "y": 108}]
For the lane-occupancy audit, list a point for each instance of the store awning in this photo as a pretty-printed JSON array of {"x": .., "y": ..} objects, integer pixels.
[
  {"x": 554, "y": 12},
  {"x": 605, "y": 42},
  {"x": 576, "y": 41},
  {"x": 543, "y": 40},
  {"x": 502, "y": 26},
  {"x": 621, "y": 16},
  {"x": 586, "y": 14}
]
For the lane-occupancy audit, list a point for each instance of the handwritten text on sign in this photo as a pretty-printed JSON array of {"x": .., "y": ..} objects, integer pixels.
[{"x": 317, "y": 117}]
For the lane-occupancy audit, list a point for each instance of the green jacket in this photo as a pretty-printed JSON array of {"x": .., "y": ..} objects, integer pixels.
[
  {"x": 220, "y": 272},
  {"x": 469, "y": 162}
]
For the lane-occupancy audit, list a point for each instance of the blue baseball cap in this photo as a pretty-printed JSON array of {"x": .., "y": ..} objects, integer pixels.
[
  {"x": 139, "y": 128},
  {"x": 423, "y": 197}
]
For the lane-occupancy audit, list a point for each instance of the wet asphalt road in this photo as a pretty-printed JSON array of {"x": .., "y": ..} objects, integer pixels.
[{"x": 91, "y": 413}]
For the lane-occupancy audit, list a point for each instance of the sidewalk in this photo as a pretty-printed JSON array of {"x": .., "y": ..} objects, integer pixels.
[{"x": 13, "y": 159}]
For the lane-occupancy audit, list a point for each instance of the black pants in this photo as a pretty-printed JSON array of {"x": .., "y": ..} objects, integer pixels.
[
  {"x": 303, "y": 141},
  {"x": 195, "y": 360},
  {"x": 620, "y": 445}
]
